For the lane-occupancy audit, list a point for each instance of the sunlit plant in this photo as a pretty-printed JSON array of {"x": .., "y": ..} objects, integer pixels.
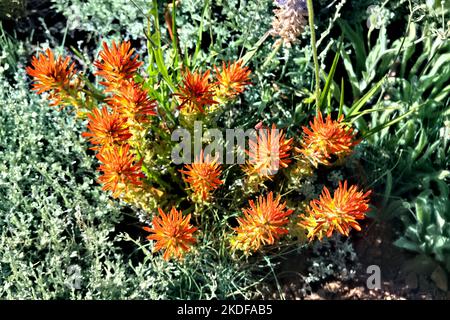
[{"x": 130, "y": 121}]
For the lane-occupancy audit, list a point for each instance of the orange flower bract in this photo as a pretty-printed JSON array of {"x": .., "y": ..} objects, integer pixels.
[
  {"x": 263, "y": 223},
  {"x": 116, "y": 65},
  {"x": 268, "y": 153},
  {"x": 120, "y": 171},
  {"x": 106, "y": 129},
  {"x": 203, "y": 175},
  {"x": 327, "y": 138},
  {"x": 232, "y": 79},
  {"x": 56, "y": 76},
  {"x": 172, "y": 233},
  {"x": 132, "y": 102},
  {"x": 196, "y": 92},
  {"x": 339, "y": 212}
]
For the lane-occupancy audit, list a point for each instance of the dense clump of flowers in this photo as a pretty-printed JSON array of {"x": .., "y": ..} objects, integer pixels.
[
  {"x": 326, "y": 139},
  {"x": 340, "y": 212},
  {"x": 116, "y": 64},
  {"x": 172, "y": 233},
  {"x": 199, "y": 93},
  {"x": 121, "y": 172},
  {"x": 55, "y": 76},
  {"x": 289, "y": 20},
  {"x": 263, "y": 223},
  {"x": 133, "y": 103},
  {"x": 203, "y": 176},
  {"x": 106, "y": 129},
  {"x": 269, "y": 152},
  {"x": 231, "y": 79},
  {"x": 131, "y": 138},
  {"x": 196, "y": 92}
]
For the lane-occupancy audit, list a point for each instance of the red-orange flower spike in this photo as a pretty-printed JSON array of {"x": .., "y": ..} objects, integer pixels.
[
  {"x": 133, "y": 103},
  {"x": 120, "y": 171},
  {"x": 268, "y": 153},
  {"x": 56, "y": 76},
  {"x": 263, "y": 224},
  {"x": 203, "y": 176},
  {"x": 327, "y": 138},
  {"x": 196, "y": 92},
  {"x": 232, "y": 79},
  {"x": 339, "y": 212},
  {"x": 116, "y": 65},
  {"x": 106, "y": 129},
  {"x": 172, "y": 233}
]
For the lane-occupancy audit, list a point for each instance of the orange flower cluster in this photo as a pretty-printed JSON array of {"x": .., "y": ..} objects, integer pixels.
[
  {"x": 268, "y": 153},
  {"x": 197, "y": 91},
  {"x": 339, "y": 212},
  {"x": 327, "y": 138},
  {"x": 116, "y": 64},
  {"x": 120, "y": 170},
  {"x": 109, "y": 131},
  {"x": 203, "y": 176},
  {"x": 232, "y": 79},
  {"x": 263, "y": 223},
  {"x": 106, "y": 129},
  {"x": 133, "y": 103},
  {"x": 55, "y": 76},
  {"x": 172, "y": 233},
  {"x": 114, "y": 131},
  {"x": 118, "y": 68}
]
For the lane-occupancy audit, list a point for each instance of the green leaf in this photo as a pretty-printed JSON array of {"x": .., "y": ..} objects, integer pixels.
[
  {"x": 389, "y": 123},
  {"x": 330, "y": 77},
  {"x": 406, "y": 244},
  {"x": 423, "y": 213},
  {"x": 361, "y": 102},
  {"x": 200, "y": 31},
  {"x": 341, "y": 101}
]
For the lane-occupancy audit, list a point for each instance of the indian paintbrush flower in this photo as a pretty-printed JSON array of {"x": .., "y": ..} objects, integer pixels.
[
  {"x": 173, "y": 233},
  {"x": 133, "y": 102},
  {"x": 116, "y": 64},
  {"x": 106, "y": 129},
  {"x": 340, "y": 212},
  {"x": 56, "y": 76},
  {"x": 327, "y": 138},
  {"x": 196, "y": 92},
  {"x": 120, "y": 169},
  {"x": 203, "y": 176},
  {"x": 269, "y": 152},
  {"x": 263, "y": 224},
  {"x": 231, "y": 80}
]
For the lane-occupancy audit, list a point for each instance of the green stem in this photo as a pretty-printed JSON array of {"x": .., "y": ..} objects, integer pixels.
[{"x": 313, "y": 45}]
